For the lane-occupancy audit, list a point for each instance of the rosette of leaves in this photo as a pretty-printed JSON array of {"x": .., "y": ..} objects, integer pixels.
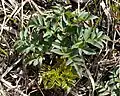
[
  {"x": 62, "y": 32},
  {"x": 110, "y": 87}
]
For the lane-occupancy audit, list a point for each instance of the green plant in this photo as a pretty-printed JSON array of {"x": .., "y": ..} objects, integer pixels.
[
  {"x": 61, "y": 32},
  {"x": 61, "y": 76},
  {"x": 110, "y": 87}
]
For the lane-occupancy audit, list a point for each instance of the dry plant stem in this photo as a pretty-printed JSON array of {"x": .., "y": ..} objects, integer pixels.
[
  {"x": 14, "y": 13},
  {"x": 109, "y": 62},
  {"x": 2, "y": 90},
  {"x": 22, "y": 15},
  {"x": 32, "y": 92},
  {"x": 113, "y": 46},
  {"x": 4, "y": 7},
  {"x": 118, "y": 32},
  {"x": 5, "y": 21},
  {"x": 107, "y": 51},
  {"x": 91, "y": 79},
  {"x": 36, "y": 6},
  {"x": 10, "y": 68},
  {"x": 116, "y": 2},
  {"x": 17, "y": 82},
  {"x": 109, "y": 20},
  {"x": 2, "y": 26},
  {"x": 20, "y": 8},
  {"x": 106, "y": 62},
  {"x": 85, "y": 5},
  {"x": 8, "y": 5},
  {"x": 1, "y": 37},
  {"x": 8, "y": 85},
  {"x": 39, "y": 89},
  {"x": 108, "y": 30},
  {"x": 13, "y": 2}
]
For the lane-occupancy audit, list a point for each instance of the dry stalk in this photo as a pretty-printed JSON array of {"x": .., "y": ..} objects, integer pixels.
[{"x": 9, "y": 85}]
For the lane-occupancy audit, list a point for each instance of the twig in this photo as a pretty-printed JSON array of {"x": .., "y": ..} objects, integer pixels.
[
  {"x": 4, "y": 7},
  {"x": 117, "y": 30},
  {"x": 5, "y": 21},
  {"x": 91, "y": 79},
  {"x": 14, "y": 13},
  {"x": 9, "y": 6},
  {"x": 39, "y": 89},
  {"x": 37, "y": 8},
  {"x": 8, "y": 85},
  {"x": 20, "y": 8},
  {"x": 85, "y": 5},
  {"x": 116, "y": 2},
  {"x": 10, "y": 68},
  {"x": 113, "y": 46},
  {"x": 22, "y": 15},
  {"x": 12, "y": 2},
  {"x": 109, "y": 19},
  {"x": 32, "y": 92},
  {"x": 2, "y": 91},
  {"x": 2, "y": 26}
]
